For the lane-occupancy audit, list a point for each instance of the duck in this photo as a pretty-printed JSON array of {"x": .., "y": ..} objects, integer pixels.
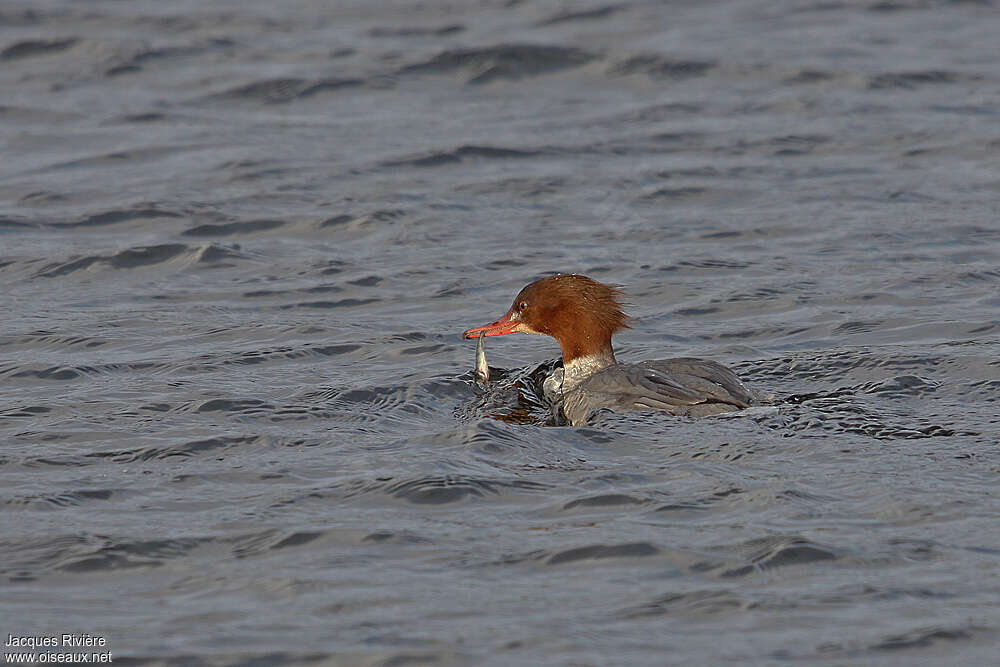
[{"x": 583, "y": 315}]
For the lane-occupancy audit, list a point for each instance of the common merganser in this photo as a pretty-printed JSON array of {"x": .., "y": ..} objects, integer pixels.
[{"x": 582, "y": 315}]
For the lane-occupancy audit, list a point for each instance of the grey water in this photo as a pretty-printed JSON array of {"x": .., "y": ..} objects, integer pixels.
[{"x": 238, "y": 243}]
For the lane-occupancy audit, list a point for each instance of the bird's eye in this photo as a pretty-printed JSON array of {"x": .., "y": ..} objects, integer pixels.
[{"x": 522, "y": 306}]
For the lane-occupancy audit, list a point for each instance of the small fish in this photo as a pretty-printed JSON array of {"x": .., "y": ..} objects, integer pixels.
[{"x": 482, "y": 368}]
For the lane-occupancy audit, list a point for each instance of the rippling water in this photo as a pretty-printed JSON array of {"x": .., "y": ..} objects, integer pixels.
[{"x": 238, "y": 241}]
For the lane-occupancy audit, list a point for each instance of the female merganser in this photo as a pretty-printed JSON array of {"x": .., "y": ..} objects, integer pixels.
[{"x": 582, "y": 315}]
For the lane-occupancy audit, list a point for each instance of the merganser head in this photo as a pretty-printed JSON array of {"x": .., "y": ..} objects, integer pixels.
[{"x": 580, "y": 313}]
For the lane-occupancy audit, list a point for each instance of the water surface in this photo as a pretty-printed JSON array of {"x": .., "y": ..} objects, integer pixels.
[{"x": 238, "y": 241}]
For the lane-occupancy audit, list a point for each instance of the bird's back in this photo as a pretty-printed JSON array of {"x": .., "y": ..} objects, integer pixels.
[{"x": 684, "y": 386}]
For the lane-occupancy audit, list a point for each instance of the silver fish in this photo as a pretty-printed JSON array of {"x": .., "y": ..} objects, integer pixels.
[{"x": 482, "y": 368}]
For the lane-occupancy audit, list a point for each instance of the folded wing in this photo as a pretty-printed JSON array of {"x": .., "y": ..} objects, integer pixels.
[{"x": 684, "y": 386}]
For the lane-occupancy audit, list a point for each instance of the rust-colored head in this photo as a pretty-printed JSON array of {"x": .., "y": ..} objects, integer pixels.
[{"x": 580, "y": 313}]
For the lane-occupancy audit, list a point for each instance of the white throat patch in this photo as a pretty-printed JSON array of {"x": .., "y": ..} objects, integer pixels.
[{"x": 582, "y": 368}]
